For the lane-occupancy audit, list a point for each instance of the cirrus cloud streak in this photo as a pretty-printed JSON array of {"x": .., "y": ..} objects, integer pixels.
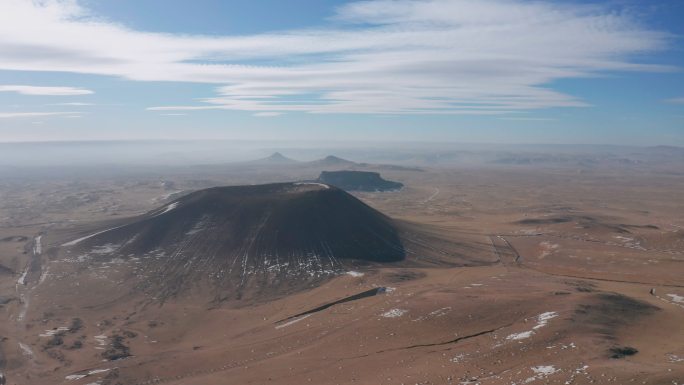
[
  {"x": 675, "y": 101},
  {"x": 9, "y": 115},
  {"x": 380, "y": 57},
  {"x": 44, "y": 91}
]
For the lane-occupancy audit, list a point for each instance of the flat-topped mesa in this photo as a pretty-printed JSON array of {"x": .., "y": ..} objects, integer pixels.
[{"x": 358, "y": 181}]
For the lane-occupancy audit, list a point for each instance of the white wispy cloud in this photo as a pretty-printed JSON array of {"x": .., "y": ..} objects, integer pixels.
[
  {"x": 43, "y": 91},
  {"x": 382, "y": 56},
  {"x": 7, "y": 115},
  {"x": 675, "y": 101},
  {"x": 267, "y": 114},
  {"x": 76, "y": 104},
  {"x": 529, "y": 119}
]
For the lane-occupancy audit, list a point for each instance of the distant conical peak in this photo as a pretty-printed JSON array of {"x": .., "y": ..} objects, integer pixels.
[
  {"x": 277, "y": 157},
  {"x": 332, "y": 159}
]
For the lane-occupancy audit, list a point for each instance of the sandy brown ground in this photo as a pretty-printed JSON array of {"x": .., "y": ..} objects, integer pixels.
[{"x": 578, "y": 256}]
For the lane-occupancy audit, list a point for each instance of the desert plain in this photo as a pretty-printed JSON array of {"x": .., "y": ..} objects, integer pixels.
[{"x": 571, "y": 274}]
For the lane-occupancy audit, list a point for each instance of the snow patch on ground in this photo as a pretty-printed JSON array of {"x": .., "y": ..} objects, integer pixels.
[
  {"x": 520, "y": 336},
  {"x": 325, "y": 186},
  {"x": 355, "y": 273},
  {"x": 629, "y": 242},
  {"x": 542, "y": 320},
  {"x": 73, "y": 377},
  {"x": 37, "y": 246},
  {"x": 571, "y": 345},
  {"x": 96, "y": 371},
  {"x": 541, "y": 372},
  {"x": 167, "y": 209},
  {"x": 79, "y": 240},
  {"x": 105, "y": 249},
  {"x": 434, "y": 314},
  {"x": 199, "y": 226},
  {"x": 458, "y": 358},
  {"x": 545, "y": 370},
  {"x": 676, "y": 298},
  {"x": 25, "y": 349},
  {"x": 394, "y": 313},
  {"x": 44, "y": 275},
  {"x": 24, "y": 300},
  {"x": 101, "y": 341},
  {"x": 22, "y": 278},
  {"x": 674, "y": 358},
  {"x": 547, "y": 248},
  {"x": 582, "y": 370},
  {"x": 52, "y": 332},
  {"x": 293, "y": 321}
]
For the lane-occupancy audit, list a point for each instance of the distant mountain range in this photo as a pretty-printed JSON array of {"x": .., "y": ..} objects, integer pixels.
[{"x": 330, "y": 161}]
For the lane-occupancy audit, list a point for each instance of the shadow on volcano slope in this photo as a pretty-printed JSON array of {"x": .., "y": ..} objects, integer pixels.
[{"x": 260, "y": 241}]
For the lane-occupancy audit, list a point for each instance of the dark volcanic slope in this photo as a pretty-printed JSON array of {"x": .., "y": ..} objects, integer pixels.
[
  {"x": 267, "y": 231},
  {"x": 248, "y": 240},
  {"x": 358, "y": 181},
  {"x": 285, "y": 221}
]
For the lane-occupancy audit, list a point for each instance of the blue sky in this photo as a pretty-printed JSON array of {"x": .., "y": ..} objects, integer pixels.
[{"x": 503, "y": 71}]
